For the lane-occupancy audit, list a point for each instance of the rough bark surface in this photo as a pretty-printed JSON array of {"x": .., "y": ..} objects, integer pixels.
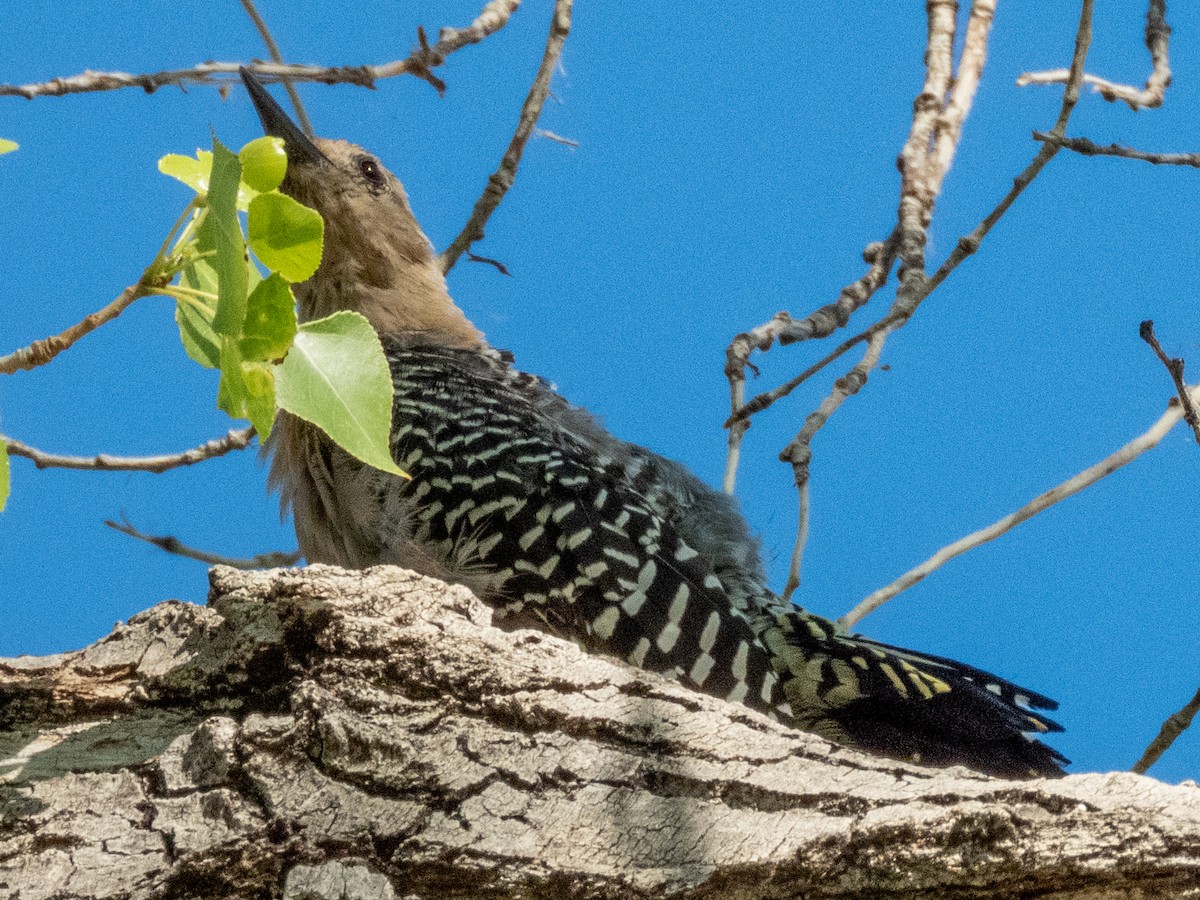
[{"x": 328, "y": 734}]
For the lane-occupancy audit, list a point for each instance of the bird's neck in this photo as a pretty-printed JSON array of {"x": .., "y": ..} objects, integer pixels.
[{"x": 402, "y": 294}]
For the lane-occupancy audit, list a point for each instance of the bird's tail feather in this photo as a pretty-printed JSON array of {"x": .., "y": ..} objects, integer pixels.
[{"x": 916, "y": 706}]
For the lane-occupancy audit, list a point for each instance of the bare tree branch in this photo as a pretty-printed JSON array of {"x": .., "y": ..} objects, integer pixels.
[
  {"x": 1175, "y": 368},
  {"x": 802, "y": 516},
  {"x": 502, "y": 179},
  {"x": 1158, "y": 37},
  {"x": 1175, "y": 725},
  {"x": 798, "y": 452},
  {"x": 273, "y": 560},
  {"x": 237, "y": 439},
  {"x": 1089, "y": 148},
  {"x": 1089, "y": 476},
  {"x": 881, "y": 256},
  {"x": 785, "y": 329},
  {"x": 939, "y": 112},
  {"x": 41, "y": 352},
  {"x": 273, "y": 49},
  {"x": 420, "y": 62},
  {"x": 936, "y": 129}
]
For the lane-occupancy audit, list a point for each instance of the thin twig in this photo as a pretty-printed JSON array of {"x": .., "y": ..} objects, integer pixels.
[
  {"x": 237, "y": 439},
  {"x": 502, "y": 179},
  {"x": 1090, "y": 148},
  {"x": 273, "y": 49},
  {"x": 1175, "y": 725},
  {"x": 557, "y": 138},
  {"x": 1158, "y": 38},
  {"x": 881, "y": 256},
  {"x": 420, "y": 62},
  {"x": 41, "y": 352},
  {"x": 939, "y": 112},
  {"x": 1175, "y": 368},
  {"x": 487, "y": 260},
  {"x": 273, "y": 560},
  {"x": 759, "y": 402},
  {"x": 793, "y": 579},
  {"x": 798, "y": 452},
  {"x": 1042, "y": 502}
]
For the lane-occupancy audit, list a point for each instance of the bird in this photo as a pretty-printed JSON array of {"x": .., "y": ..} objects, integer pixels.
[{"x": 528, "y": 501}]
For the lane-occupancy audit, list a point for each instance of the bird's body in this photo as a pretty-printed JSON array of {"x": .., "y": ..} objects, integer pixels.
[{"x": 555, "y": 522}]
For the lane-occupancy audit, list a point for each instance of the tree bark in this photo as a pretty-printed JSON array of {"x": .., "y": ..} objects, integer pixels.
[{"x": 320, "y": 733}]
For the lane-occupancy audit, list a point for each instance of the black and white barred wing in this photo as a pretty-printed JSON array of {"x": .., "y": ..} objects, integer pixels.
[{"x": 501, "y": 487}]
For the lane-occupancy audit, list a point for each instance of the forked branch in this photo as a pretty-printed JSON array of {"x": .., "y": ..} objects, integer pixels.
[{"x": 1158, "y": 39}]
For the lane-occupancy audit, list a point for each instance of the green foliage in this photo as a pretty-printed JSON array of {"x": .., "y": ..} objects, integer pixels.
[
  {"x": 286, "y": 235},
  {"x": 270, "y": 325},
  {"x": 229, "y": 247},
  {"x": 331, "y": 372},
  {"x": 336, "y": 377},
  {"x": 264, "y": 163}
]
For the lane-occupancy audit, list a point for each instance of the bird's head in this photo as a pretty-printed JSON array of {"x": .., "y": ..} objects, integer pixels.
[{"x": 376, "y": 259}]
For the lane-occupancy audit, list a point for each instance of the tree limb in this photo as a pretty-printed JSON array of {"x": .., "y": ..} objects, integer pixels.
[
  {"x": 1175, "y": 725},
  {"x": 273, "y": 48},
  {"x": 325, "y": 733},
  {"x": 1174, "y": 367}
]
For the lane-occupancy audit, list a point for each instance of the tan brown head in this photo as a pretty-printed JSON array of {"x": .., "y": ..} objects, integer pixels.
[{"x": 376, "y": 261}]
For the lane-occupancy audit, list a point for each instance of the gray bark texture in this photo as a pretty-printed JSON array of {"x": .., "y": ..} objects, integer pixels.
[{"x": 319, "y": 733}]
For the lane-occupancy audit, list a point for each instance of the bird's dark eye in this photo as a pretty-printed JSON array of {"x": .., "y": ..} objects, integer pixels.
[{"x": 371, "y": 170}]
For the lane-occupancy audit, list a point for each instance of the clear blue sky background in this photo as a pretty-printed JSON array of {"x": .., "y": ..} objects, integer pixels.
[{"x": 734, "y": 159}]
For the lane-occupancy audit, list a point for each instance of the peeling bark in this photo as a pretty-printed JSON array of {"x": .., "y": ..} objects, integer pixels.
[{"x": 328, "y": 734}]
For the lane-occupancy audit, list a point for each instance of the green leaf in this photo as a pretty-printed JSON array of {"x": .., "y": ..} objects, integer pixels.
[
  {"x": 264, "y": 163},
  {"x": 259, "y": 378},
  {"x": 270, "y": 320},
  {"x": 194, "y": 172},
  {"x": 7, "y": 146},
  {"x": 196, "y": 332},
  {"x": 226, "y": 233},
  {"x": 231, "y": 392},
  {"x": 247, "y": 389},
  {"x": 287, "y": 236},
  {"x": 4, "y": 483},
  {"x": 336, "y": 377}
]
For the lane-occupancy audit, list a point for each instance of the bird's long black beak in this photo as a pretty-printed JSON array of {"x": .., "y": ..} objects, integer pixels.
[{"x": 300, "y": 150}]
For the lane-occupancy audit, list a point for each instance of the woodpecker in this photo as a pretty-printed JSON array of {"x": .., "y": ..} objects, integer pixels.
[{"x": 532, "y": 504}]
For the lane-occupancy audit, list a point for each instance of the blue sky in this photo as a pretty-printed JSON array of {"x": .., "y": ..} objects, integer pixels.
[{"x": 733, "y": 162}]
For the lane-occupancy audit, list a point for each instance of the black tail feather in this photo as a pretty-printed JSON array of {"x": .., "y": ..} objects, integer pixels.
[{"x": 980, "y": 722}]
